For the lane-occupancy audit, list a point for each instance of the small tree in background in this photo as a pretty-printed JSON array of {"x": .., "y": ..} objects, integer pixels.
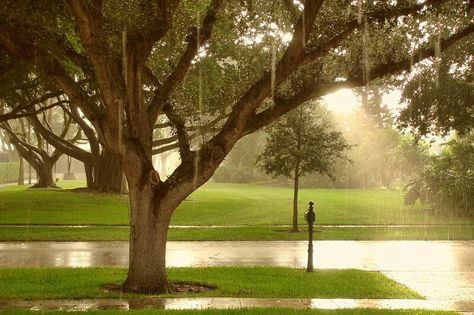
[{"x": 302, "y": 142}]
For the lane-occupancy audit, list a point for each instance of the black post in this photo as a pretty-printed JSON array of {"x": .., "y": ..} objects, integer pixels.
[{"x": 310, "y": 218}]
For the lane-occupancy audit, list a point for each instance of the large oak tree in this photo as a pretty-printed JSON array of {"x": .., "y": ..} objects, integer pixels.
[{"x": 215, "y": 71}]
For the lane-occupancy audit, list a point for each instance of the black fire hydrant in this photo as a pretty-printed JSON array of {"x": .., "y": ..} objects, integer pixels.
[{"x": 310, "y": 217}]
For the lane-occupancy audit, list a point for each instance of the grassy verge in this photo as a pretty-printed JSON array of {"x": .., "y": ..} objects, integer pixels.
[
  {"x": 255, "y": 311},
  {"x": 79, "y": 283},
  {"x": 257, "y": 233},
  {"x": 219, "y": 204}
]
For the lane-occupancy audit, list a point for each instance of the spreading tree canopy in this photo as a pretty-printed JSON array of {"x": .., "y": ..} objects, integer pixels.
[{"x": 212, "y": 70}]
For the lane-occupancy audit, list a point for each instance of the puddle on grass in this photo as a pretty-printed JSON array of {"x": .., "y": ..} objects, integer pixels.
[{"x": 222, "y": 302}]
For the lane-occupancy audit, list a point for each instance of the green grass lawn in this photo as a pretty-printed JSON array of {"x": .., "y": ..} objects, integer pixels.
[
  {"x": 81, "y": 283},
  {"x": 256, "y": 206},
  {"x": 272, "y": 282},
  {"x": 19, "y": 205},
  {"x": 258, "y": 233},
  {"x": 218, "y": 204},
  {"x": 254, "y": 311}
]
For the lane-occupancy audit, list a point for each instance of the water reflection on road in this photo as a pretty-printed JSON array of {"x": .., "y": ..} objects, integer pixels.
[
  {"x": 434, "y": 268},
  {"x": 368, "y": 255}
]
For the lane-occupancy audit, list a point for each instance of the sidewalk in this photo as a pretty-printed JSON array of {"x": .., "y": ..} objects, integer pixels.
[{"x": 224, "y": 302}]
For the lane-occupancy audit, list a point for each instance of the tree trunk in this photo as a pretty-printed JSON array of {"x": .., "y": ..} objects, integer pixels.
[
  {"x": 44, "y": 176},
  {"x": 124, "y": 184},
  {"x": 295, "y": 197},
  {"x": 163, "y": 160},
  {"x": 29, "y": 164},
  {"x": 89, "y": 176},
  {"x": 29, "y": 174},
  {"x": 109, "y": 173},
  {"x": 151, "y": 215},
  {"x": 21, "y": 173},
  {"x": 69, "y": 163}
]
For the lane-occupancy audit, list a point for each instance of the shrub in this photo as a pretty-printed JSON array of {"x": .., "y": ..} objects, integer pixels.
[
  {"x": 447, "y": 183},
  {"x": 9, "y": 172}
]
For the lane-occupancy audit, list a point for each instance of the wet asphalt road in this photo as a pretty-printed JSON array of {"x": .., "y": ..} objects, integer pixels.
[{"x": 437, "y": 269}]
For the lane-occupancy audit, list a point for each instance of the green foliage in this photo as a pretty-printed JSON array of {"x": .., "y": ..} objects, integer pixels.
[
  {"x": 301, "y": 142},
  {"x": 441, "y": 98},
  {"x": 9, "y": 172},
  {"x": 447, "y": 183},
  {"x": 412, "y": 155}
]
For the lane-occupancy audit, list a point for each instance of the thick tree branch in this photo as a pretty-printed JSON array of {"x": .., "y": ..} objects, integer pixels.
[
  {"x": 14, "y": 114},
  {"x": 163, "y": 15},
  {"x": 258, "y": 92},
  {"x": 75, "y": 93},
  {"x": 60, "y": 143},
  {"x": 162, "y": 125},
  {"x": 283, "y": 106},
  {"x": 320, "y": 50},
  {"x": 26, "y": 150},
  {"x": 418, "y": 55},
  {"x": 316, "y": 90},
  {"x": 56, "y": 72},
  {"x": 11, "y": 46},
  {"x": 150, "y": 76},
  {"x": 177, "y": 121},
  {"x": 85, "y": 21},
  {"x": 88, "y": 131},
  {"x": 106, "y": 65},
  {"x": 214, "y": 151},
  {"x": 199, "y": 131},
  {"x": 166, "y": 148},
  {"x": 25, "y": 105},
  {"x": 78, "y": 59},
  {"x": 163, "y": 141}
]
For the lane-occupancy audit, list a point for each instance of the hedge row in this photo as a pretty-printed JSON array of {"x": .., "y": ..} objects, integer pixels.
[{"x": 9, "y": 172}]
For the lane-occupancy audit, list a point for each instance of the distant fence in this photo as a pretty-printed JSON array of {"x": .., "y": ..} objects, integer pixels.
[{"x": 9, "y": 172}]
